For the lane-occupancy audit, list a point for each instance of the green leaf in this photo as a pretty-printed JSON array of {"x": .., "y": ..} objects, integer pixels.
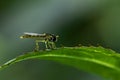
[{"x": 98, "y": 60}]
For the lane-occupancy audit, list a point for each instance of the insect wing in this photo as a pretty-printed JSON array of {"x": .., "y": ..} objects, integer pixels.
[
  {"x": 27, "y": 33},
  {"x": 34, "y": 35}
]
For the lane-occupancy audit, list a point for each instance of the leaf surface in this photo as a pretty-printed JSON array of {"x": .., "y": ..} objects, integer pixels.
[{"x": 98, "y": 60}]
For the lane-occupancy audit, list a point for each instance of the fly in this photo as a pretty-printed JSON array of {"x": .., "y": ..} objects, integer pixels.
[{"x": 48, "y": 39}]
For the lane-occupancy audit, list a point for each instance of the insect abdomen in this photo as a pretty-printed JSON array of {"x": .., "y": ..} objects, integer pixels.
[{"x": 32, "y": 36}]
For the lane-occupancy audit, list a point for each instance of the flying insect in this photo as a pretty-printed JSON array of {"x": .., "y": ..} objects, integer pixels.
[{"x": 48, "y": 39}]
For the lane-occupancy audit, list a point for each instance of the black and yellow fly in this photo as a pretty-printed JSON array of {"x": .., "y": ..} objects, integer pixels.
[{"x": 48, "y": 39}]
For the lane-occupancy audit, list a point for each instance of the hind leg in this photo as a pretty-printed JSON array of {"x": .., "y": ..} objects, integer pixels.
[{"x": 37, "y": 45}]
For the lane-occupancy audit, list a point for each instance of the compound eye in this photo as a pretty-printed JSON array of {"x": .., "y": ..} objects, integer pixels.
[{"x": 54, "y": 39}]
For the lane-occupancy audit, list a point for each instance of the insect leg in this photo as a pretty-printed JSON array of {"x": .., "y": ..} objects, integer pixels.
[
  {"x": 49, "y": 45},
  {"x": 46, "y": 44},
  {"x": 37, "y": 45},
  {"x": 53, "y": 45}
]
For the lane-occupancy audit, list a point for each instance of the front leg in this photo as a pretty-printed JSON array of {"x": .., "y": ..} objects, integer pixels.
[{"x": 51, "y": 45}]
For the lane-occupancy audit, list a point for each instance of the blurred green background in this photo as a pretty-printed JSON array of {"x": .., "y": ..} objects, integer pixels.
[{"x": 85, "y": 22}]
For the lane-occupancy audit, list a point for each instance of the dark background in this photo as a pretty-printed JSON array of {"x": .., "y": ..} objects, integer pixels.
[{"x": 77, "y": 22}]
